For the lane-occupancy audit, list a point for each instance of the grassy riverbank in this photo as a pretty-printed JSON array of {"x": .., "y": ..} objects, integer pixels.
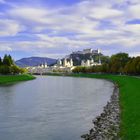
[
  {"x": 5, "y": 79},
  {"x": 129, "y": 102}
]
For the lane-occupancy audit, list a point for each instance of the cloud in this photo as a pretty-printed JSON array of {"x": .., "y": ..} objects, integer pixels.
[
  {"x": 101, "y": 13},
  {"x": 134, "y": 11},
  {"x": 9, "y": 27},
  {"x": 29, "y": 14},
  {"x": 5, "y": 48},
  {"x": 133, "y": 29},
  {"x": 60, "y": 30},
  {"x": 54, "y": 20}
]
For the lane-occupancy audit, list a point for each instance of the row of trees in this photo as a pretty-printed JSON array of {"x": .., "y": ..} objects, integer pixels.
[
  {"x": 119, "y": 63},
  {"x": 7, "y": 66}
]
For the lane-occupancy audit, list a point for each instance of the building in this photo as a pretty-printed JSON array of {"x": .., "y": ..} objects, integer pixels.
[
  {"x": 67, "y": 63},
  {"x": 71, "y": 62},
  {"x": 86, "y": 51},
  {"x": 59, "y": 62},
  {"x": 89, "y": 63},
  {"x": 98, "y": 51},
  {"x": 43, "y": 65}
]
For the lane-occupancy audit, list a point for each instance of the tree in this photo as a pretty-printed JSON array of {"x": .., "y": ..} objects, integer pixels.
[
  {"x": 7, "y": 66},
  {"x": 11, "y": 60},
  {"x": 105, "y": 68},
  {"x": 0, "y": 61},
  {"x": 4, "y": 69},
  {"x": 118, "y": 62},
  {"x": 6, "y": 61},
  {"x": 17, "y": 70},
  {"x": 105, "y": 59}
]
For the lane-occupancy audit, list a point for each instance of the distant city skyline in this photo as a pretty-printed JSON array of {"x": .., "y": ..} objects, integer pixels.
[{"x": 55, "y": 28}]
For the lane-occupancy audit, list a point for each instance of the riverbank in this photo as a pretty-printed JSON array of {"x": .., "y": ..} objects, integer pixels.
[
  {"x": 107, "y": 125},
  {"x": 6, "y": 79},
  {"x": 129, "y": 102}
]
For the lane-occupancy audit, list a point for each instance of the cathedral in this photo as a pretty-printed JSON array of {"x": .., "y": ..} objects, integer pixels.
[{"x": 65, "y": 63}]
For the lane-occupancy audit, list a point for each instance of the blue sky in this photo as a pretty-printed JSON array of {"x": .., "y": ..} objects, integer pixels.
[{"x": 55, "y": 28}]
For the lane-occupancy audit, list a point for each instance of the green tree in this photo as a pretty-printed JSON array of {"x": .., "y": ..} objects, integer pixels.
[
  {"x": 7, "y": 66},
  {"x": 118, "y": 62},
  {"x": 105, "y": 59},
  {"x": 11, "y": 60},
  {"x": 0, "y": 61},
  {"x": 105, "y": 68},
  {"x": 6, "y": 61},
  {"x": 4, "y": 69},
  {"x": 15, "y": 69}
]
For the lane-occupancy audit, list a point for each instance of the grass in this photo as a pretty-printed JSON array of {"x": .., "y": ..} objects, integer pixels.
[
  {"x": 129, "y": 103},
  {"x": 6, "y": 79}
]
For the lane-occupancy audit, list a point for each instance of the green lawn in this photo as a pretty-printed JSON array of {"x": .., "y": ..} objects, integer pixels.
[
  {"x": 5, "y": 79},
  {"x": 129, "y": 102}
]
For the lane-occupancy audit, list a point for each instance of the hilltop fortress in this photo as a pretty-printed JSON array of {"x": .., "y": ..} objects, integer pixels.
[{"x": 88, "y": 51}]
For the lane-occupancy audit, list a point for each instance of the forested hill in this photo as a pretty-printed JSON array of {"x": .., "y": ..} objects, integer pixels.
[{"x": 35, "y": 61}]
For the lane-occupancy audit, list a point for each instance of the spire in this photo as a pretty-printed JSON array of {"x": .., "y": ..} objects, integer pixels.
[
  {"x": 100, "y": 60},
  {"x": 71, "y": 62}
]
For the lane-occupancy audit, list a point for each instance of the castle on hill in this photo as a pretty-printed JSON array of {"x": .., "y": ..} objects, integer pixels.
[
  {"x": 68, "y": 61},
  {"x": 88, "y": 51}
]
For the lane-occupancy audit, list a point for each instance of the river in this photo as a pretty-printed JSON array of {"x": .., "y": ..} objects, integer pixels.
[{"x": 51, "y": 107}]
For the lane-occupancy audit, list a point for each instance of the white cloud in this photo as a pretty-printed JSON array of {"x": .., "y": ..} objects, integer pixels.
[
  {"x": 102, "y": 13},
  {"x": 4, "y": 47},
  {"x": 134, "y": 29},
  {"x": 9, "y": 27},
  {"x": 55, "y": 20},
  {"x": 85, "y": 24},
  {"x": 134, "y": 11},
  {"x": 29, "y": 14}
]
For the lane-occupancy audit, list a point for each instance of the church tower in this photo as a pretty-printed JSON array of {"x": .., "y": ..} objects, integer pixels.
[
  {"x": 65, "y": 62},
  {"x": 71, "y": 62}
]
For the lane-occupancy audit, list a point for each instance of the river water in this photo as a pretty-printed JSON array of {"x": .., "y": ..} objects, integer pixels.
[{"x": 51, "y": 108}]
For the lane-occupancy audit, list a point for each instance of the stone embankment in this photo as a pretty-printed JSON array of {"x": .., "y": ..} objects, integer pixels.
[{"x": 107, "y": 125}]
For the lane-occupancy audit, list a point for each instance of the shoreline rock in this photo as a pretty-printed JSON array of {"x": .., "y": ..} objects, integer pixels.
[{"x": 107, "y": 125}]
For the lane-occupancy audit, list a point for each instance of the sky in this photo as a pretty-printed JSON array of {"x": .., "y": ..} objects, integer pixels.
[{"x": 55, "y": 28}]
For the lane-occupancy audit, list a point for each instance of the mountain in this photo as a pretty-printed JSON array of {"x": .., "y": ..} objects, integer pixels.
[{"x": 35, "y": 61}]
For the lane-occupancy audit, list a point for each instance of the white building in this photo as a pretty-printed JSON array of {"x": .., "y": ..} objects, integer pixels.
[
  {"x": 89, "y": 63},
  {"x": 67, "y": 63},
  {"x": 86, "y": 51},
  {"x": 98, "y": 51},
  {"x": 71, "y": 62},
  {"x": 43, "y": 65},
  {"x": 59, "y": 62}
]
